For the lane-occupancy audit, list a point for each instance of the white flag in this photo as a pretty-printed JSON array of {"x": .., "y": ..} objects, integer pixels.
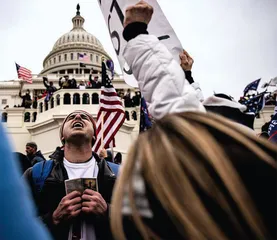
[
  {"x": 273, "y": 82},
  {"x": 159, "y": 26}
]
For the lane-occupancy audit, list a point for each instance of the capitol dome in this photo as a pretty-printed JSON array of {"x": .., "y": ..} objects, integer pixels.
[{"x": 64, "y": 57}]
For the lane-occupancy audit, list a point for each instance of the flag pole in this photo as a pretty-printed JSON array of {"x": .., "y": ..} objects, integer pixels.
[
  {"x": 102, "y": 127},
  {"x": 111, "y": 146}
]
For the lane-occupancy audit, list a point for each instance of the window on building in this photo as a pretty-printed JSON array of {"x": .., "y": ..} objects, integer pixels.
[
  {"x": 71, "y": 56},
  {"x": 54, "y": 60},
  {"x": 65, "y": 57},
  {"x": 4, "y": 101},
  {"x": 91, "y": 57},
  {"x": 97, "y": 58},
  {"x": 60, "y": 58}
]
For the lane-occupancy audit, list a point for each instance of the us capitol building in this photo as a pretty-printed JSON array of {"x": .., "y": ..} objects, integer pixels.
[{"x": 42, "y": 125}]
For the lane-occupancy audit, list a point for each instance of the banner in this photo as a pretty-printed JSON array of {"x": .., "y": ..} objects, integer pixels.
[
  {"x": 272, "y": 129},
  {"x": 114, "y": 11}
]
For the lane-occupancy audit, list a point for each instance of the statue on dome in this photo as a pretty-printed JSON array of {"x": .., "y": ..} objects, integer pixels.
[{"x": 78, "y": 9}]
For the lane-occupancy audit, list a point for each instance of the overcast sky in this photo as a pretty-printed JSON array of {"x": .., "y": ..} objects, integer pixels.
[{"x": 232, "y": 42}]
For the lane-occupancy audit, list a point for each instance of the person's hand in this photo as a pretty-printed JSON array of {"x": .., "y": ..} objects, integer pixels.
[
  {"x": 93, "y": 203},
  {"x": 141, "y": 12},
  {"x": 103, "y": 153},
  {"x": 186, "y": 61},
  {"x": 69, "y": 207},
  {"x": 45, "y": 79}
]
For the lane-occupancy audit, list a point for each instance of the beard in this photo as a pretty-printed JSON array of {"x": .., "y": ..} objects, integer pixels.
[
  {"x": 29, "y": 154},
  {"x": 78, "y": 139}
]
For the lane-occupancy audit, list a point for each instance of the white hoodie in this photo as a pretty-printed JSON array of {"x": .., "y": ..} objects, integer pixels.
[{"x": 160, "y": 78}]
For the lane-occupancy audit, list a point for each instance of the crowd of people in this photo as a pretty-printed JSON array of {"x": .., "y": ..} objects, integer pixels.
[
  {"x": 66, "y": 83},
  {"x": 199, "y": 173}
]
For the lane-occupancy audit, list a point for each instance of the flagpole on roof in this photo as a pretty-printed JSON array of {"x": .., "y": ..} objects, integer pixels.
[{"x": 79, "y": 70}]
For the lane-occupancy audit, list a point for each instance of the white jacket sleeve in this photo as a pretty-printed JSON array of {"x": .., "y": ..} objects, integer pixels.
[
  {"x": 160, "y": 78},
  {"x": 199, "y": 94}
]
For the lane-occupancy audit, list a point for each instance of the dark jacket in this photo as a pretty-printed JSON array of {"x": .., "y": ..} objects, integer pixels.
[
  {"x": 23, "y": 160},
  {"x": 37, "y": 157},
  {"x": 69, "y": 84},
  {"x": 54, "y": 190},
  {"x": 93, "y": 83},
  {"x": 26, "y": 100},
  {"x": 50, "y": 89},
  {"x": 223, "y": 105}
]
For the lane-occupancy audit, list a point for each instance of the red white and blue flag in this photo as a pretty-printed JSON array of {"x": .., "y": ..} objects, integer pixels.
[
  {"x": 83, "y": 57},
  {"x": 24, "y": 73},
  {"x": 111, "y": 114}
]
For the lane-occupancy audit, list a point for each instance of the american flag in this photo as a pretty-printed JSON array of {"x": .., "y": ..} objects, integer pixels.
[
  {"x": 83, "y": 57},
  {"x": 24, "y": 73},
  {"x": 111, "y": 112}
]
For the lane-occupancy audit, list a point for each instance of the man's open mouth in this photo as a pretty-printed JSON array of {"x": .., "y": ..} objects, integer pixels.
[{"x": 78, "y": 125}]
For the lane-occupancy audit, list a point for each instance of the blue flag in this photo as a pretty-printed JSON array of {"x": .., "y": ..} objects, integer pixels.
[
  {"x": 252, "y": 86},
  {"x": 254, "y": 104},
  {"x": 272, "y": 129},
  {"x": 145, "y": 121},
  {"x": 110, "y": 66}
]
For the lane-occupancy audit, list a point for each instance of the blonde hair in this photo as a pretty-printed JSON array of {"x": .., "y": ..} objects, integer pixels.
[{"x": 191, "y": 143}]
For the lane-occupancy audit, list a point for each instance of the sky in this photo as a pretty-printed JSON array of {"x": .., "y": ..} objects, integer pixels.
[{"x": 232, "y": 42}]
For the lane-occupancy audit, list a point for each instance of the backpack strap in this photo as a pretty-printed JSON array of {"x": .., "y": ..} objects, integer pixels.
[
  {"x": 40, "y": 172},
  {"x": 114, "y": 167}
]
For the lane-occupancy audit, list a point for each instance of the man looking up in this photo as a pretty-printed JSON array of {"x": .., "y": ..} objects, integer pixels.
[{"x": 76, "y": 215}]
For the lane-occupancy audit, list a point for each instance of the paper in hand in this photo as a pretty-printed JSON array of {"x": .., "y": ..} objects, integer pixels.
[{"x": 81, "y": 184}]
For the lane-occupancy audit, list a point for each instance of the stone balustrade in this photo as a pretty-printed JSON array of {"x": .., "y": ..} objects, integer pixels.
[{"x": 63, "y": 102}]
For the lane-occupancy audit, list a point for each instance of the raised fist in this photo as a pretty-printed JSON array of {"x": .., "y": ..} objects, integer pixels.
[
  {"x": 141, "y": 12},
  {"x": 186, "y": 61}
]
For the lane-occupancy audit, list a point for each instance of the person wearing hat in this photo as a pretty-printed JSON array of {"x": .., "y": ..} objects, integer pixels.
[
  {"x": 33, "y": 154},
  {"x": 76, "y": 215},
  {"x": 82, "y": 85},
  {"x": 66, "y": 83}
]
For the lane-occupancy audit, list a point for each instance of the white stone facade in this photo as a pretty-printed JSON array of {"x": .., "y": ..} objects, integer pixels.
[{"x": 42, "y": 125}]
